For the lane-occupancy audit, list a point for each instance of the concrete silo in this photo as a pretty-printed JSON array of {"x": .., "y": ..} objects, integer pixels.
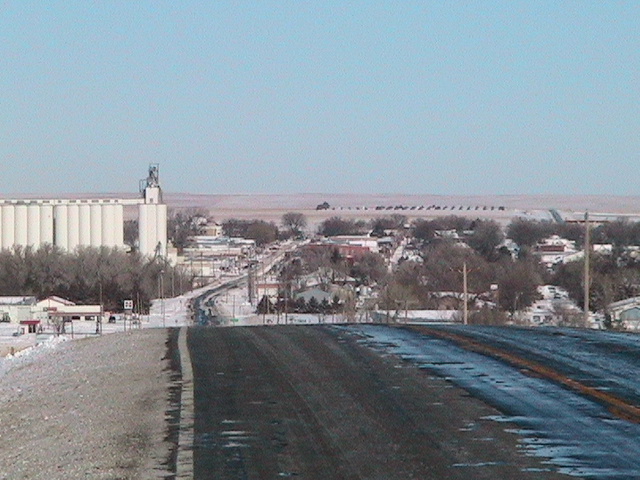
[
  {"x": 69, "y": 223},
  {"x": 61, "y": 214},
  {"x": 152, "y": 217},
  {"x": 8, "y": 225},
  {"x": 108, "y": 225},
  {"x": 73, "y": 225},
  {"x": 95, "y": 234},
  {"x": 84, "y": 225},
  {"x": 46, "y": 224},
  {"x": 33, "y": 225},
  {"x": 161, "y": 228},
  {"x": 21, "y": 225}
]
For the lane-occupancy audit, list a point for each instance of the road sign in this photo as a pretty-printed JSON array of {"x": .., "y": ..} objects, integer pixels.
[{"x": 128, "y": 304}]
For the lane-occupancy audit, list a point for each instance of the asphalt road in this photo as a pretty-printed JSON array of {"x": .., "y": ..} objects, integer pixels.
[
  {"x": 573, "y": 396},
  {"x": 320, "y": 402}
]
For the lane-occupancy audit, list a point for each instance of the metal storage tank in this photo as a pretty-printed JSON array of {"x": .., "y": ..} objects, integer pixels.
[
  {"x": 61, "y": 213},
  {"x": 33, "y": 225},
  {"x": 118, "y": 225},
  {"x": 108, "y": 217},
  {"x": 85, "y": 225},
  {"x": 96, "y": 225},
  {"x": 46, "y": 224},
  {"x": 161, "y": 227},
  {"x": 21, "y": 224},
  {"x": 8, "y": 225},
  {"x": 73, "y": 223}
]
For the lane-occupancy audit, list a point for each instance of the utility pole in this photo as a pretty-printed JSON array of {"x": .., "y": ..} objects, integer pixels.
[
  {"x": 251, "y": 281},
  {"x": 99, "y": 319},
  {"x": 587, "y": 280},
  {"x": 465, "y": 291},
  {"x": 202, "y": 282},
  {"x": 464, "y": 287},
  {"x": 286, "y": 306},
  {"x": 162, "y": 297}
]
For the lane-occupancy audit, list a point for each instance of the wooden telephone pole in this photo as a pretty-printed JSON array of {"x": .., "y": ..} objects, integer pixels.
[
  {"x": 587, "y": 280},
  {"x": 465, "y": 290}
]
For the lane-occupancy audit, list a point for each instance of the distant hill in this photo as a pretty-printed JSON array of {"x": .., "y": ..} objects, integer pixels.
[
  {"x": 502, "y": 208},
  {"x": 619, "y": 204}
]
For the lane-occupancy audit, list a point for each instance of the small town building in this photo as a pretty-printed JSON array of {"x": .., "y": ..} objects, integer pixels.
[
  {"x": 15, "y": 309},
  {"x": 364, "y": 241},
  {"x": 213, "y": 230},
  {"x": 626, "y": 313},
  {"x": 29, "y": 326},
  {"x": 319, "y": 295},
  {"x": 555, "y": 250},
  {"x": 57, "y": 308},
  {"x": 347, "y": 251},
  {"x": 554, "y": 308}
]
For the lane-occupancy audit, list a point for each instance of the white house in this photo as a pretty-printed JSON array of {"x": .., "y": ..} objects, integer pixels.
[
  {"x": 358, "y": 241},
  {"x": 552, "y": 292},
  {"x": 555, "y": 312}
]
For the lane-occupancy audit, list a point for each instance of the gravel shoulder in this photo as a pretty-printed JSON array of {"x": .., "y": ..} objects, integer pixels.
[{"x": 93, "y": 409}]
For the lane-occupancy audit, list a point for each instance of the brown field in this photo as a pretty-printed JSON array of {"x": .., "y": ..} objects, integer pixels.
[{"x": 502, "y": 208}]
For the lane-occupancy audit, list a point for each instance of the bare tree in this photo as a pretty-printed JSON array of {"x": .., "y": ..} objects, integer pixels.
[
  {"x": 487, "y": 235},
  {"x": 181, "y": 225},
  {"x": 338, "y": 226},
  {"x": 518, "y": 285},
  {"x": 294, "y": 222},
  {"x": 131, "y": 230}
]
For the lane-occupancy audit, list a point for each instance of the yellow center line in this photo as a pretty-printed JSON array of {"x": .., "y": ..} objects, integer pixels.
[{"x": 617, "y": 406}]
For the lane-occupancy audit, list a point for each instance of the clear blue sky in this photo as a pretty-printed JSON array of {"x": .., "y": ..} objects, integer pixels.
[{"x": 442, "y": 97}]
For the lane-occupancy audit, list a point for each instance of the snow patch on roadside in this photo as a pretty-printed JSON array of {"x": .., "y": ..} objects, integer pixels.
[{"x": 30, "y": 354}]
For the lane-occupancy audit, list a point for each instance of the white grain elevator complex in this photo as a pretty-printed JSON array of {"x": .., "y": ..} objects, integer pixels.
[{"x": 72, "y": 223}]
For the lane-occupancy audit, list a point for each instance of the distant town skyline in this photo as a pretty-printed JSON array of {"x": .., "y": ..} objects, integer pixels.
[{"x": 415, "y": 97}]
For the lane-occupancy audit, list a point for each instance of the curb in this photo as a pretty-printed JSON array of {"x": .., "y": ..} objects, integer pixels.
[{"x": 184, "y": 462}]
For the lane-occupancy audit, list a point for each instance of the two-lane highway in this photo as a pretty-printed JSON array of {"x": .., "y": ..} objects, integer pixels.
[{"x": 321, "y": 402}]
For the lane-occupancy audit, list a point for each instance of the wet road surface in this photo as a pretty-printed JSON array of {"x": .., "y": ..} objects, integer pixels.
[
  {"x": 341, "y": 403},
  {"x": 567, "y": 393}
]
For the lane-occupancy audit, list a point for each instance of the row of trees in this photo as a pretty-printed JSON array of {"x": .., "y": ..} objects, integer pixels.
[
  {"x": 441, "y": 270},
  {"x": 487, "y": 234},
  {"x": 88, "y": 276},
  {"x": 620, "y": 233},
  {"x": 335, "y": 226},
  {"x": 614, "y": 276},
  {"x": 184, "y": 224},
  {"x": 258, "y": 230},
  {"x": 299, "y": 305}
]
